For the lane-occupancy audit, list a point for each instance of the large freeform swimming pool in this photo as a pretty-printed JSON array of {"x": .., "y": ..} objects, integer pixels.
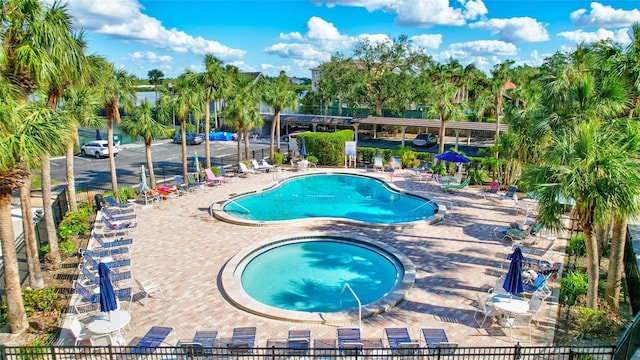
[
  {"x": 336, "y": 196},
  {"x": 305, "y": 278}
]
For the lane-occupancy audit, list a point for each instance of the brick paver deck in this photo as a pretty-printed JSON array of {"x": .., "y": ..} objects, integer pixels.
[{"x": 182, "y": 247}]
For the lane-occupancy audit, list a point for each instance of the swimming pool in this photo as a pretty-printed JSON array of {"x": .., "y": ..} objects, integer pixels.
[
  {"x": 329, "y": 196},
  {"x": 303, "y": 278}
]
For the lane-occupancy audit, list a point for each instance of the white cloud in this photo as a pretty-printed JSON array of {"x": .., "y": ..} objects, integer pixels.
[
  {"x": 620, "y": 36},
  {"x": 374, "y": 38},
  {"x": 298, "y": 51},
  {"x": 519, "y": 29},
  {"x": 427, "y": 41},
  {"x": 127, "y": 22},
  {"x": 482, "y": 48},
  {"x": 150, "y": 57},
  {"x": 421, "y": 13},
  {"x": 604, "y": 16}
]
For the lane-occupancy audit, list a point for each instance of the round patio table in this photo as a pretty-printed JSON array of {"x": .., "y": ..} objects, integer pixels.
[{"x": 111, "y": 323}]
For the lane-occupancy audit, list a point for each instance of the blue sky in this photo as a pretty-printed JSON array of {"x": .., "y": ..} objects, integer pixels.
[{"x": 296, "y": 35}]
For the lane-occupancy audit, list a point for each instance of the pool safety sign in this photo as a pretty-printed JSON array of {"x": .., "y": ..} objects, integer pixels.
[{"x": 350, "y": 154}]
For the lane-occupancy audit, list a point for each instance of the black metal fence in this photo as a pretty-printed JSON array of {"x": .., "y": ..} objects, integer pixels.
[
  {"x": 629, "y": 341},
  {"x": 280, "y": 353}
]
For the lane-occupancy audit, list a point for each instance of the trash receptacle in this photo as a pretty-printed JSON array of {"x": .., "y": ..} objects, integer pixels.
[{"x": 99, "y": 200}]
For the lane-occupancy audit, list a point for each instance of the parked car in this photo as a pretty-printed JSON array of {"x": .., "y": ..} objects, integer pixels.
[
  {"x": 98, "y": 148},
  {"x": 425, "y": 140},
  {"x": 192, "y": 139}
]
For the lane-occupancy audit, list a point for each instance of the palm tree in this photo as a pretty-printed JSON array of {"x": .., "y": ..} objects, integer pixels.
[
  {"x": 279, "y": 96},
  {"x": 115, "y": 88},
  {"x": 186, "y": 102},
  {"x": 27, "y": 131},
  {"x": 156, "y": 78},
  {"x": 242, "y": 109},
  {"x": 143, "y": 124},
  {"x": 81, "y": 105},
  {"x": 213, "y": 82},
  {"x": 587, "y": 164}
]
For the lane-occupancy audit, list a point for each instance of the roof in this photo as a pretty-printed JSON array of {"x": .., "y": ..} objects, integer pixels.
[{"x": 378, "y": 120}]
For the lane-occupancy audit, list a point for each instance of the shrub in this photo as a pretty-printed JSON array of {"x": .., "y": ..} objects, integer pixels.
[
  {"x": 278, "y": 158},
  {"x": 477, "y": 176},
  {"x": 126, "y": 193},
  {"x": 572, "y": 285},
  {"x": 74, "y": 223},
  {"x": 588, "y": 320},
  {"x": 407, "y": 156},
  {"x": 438, "y": 169},
  {"x": 577, "y": 246},
  {"x": 215, "y": 170},
  {"x": 68, "y": 248},
  {"x": 312, "y": 159},
  {"x": 35, "y": 300}
]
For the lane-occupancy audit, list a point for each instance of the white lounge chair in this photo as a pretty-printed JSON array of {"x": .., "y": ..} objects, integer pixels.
[
  {"x": 244, "y": 170},
  {"x": 256, "y": 166}
]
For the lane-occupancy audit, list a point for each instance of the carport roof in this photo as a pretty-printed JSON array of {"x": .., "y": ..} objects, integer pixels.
[{"x": 377, "y": 120}]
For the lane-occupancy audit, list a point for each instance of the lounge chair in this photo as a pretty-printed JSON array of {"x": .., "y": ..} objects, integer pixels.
[
  {"x": 124, "y": 263},
  {"x": 436, "y": 340},
  {"x": 193, "y": 181},
  {"x": 400, "y": 342},
  {"x": 111, "y": 243},
  {"x": 91, "y": 300},
  {"x": 201, "y": 345},
  {"x": 298, "y": 342},
  {"x": 377, "y": 163},
  {"x": 493, "y": 189},
  {"x": 539, "y": 286},
  {"x": 513, "y": 233},
  {"x": 244, "y": 170},
  {"x": 205, "y": 337},
  {"x": 508, "y": 195},
  {"x": 111, "y": 202},
  {"x": 92, "y": 278},
  {"x": 148, "y": 288},
  {"x": 154, "y": 338},
  {"x": 116, "y": 253},
  {"x": 257, "y": 167},
  {"x": 115, "y": 217},
  {"x": 455, "y": 187},
  {"x": 265, "y": 164},
  {"x": 212, "y": 179},
  {"x": 180, "y": 184},
  {"x": 397, "y": 163},
  {"x": 349, "y": 341},
  {"x": 242, "y": 340}
]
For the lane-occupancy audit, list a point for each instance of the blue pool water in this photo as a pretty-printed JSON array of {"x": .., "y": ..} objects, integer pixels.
[
  {"x": 309, "y": 276},
  {"x": 347, "y": 196}
]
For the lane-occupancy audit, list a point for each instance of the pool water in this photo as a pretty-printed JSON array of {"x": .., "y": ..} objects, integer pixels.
[
  {"x": 310, "y": 275},
  {"x": 347, "y": 196}
]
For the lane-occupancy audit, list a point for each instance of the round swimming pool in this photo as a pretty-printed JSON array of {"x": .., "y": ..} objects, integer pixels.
[
  {"x": 303, "y": 279},
  {"x": 332, "y": 197}
]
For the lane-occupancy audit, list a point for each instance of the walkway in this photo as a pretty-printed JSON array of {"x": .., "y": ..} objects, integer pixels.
[{"x": 179, "y": 245}]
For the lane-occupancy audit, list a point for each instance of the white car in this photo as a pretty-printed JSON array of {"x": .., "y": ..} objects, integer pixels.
[{"x": 98, "y": 149}]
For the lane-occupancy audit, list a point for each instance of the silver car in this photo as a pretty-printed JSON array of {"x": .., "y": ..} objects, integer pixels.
[
  {"x": 425, "y": 140},
  {"x": 98, "y": 149}
]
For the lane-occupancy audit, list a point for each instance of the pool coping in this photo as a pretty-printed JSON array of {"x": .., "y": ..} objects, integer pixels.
[
  {"x": 231, "y": 287},
  {"x": 216, "y": 212}
]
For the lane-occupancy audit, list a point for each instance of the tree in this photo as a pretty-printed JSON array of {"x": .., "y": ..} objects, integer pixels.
[
  {"x": 156, "y": 77},
  {"x": 384, "y": 68},
  {"x": 242, "y": 109},
  {"x": 279, "y": 96},
  {"x": 27, "y": 131},
  {"x": 115, "y": 88},
  {"x": 143, "y": 124},
  {"x": 186, "y": 101},
  {"x": 213, "y": 82}
]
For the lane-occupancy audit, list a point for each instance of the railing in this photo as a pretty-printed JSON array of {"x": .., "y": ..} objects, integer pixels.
[{"x": 277, "y": 353}]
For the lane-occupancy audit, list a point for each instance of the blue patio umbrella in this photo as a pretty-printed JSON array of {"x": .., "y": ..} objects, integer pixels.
[
  {"x": 143, "y": 178},
  {"x": 98, "y": 137},
  {"x": 452, "y": 156},
  {"x": 108, "y": 300},
  {"x": 303, "y": 148},
  {"x": 513, "y": 280}
]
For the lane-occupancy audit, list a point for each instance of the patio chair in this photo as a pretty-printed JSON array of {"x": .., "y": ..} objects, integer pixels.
[
  {"x": 152, "y": 339},
  {"x": 400, "y": 342},
  {"x": 377, "y": 163},
  {"x": 193, "y": 181},
  {"x": 116, "y": 253},
  {"x": 485, "y": 310},
  {"x": 244, "y": 171},
  {"x": 82, "y": 335},
  {"x": 539, "y": 286},
  {"x": 148, "y": 288},
  {"x": 455, "y": 187},
  {"x": 115, "y": 217},
  {"x": 111, "y": 243},
  {"x": 89, "y": 278},
  {"x": 519, "y": 321},
  {"x": 508, "y": 195},
  {"x": 201, "y": 345},
  {"x": 212, "y": 179},
  {"x": 513, "y": 233},
  {"x": 205, "y": 337},
  {"x": 256, "y": 166},
  {"x": 349, "y": 341},
  {"x": 493, "y": 189},
  {"x": 433, "y": 337},
  {"x": 298, "y": 342},
  {"x": 242, "y": 340},
  {"x": 534, "y": 305},
  {"x": 181, "y": 184},
  {"x": 112, "y": 265},
  {"x": 397, "y": 163},
  {"x": 110, "y": 226},
  {"x": 89, "y": 299},
  {"x": 111, "y": 202}
]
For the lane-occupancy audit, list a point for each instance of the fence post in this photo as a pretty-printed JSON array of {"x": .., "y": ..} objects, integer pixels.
[{"x": 3, "y": 352}]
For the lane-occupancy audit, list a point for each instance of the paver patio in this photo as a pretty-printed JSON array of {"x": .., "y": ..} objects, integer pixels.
[{"x": 182, "y": 247}]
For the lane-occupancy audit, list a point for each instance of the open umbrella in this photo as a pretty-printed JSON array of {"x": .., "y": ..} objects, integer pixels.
[
  {"x": 108, "y": 300},
  {"x": 303, "y": 148},
  {"x": 98, "y": 137},
  {"x": 452, "y": 156},
  {"x": 513, "y": 280}
]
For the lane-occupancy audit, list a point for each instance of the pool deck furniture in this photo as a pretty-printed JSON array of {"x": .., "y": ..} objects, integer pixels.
[
  {"x": 349, "y": 341},
  {"x": 433, "y": 337},
  {"x": 152, "y": 339},
  {"x": 298, "y": 342},
  {"x": 243, "y": 340},
  {"x": 324, "y": 348},
  {"x": 399, "y": 341},
  {"x": 110, "y": 325},
  {"x": 244, "y": 171}
]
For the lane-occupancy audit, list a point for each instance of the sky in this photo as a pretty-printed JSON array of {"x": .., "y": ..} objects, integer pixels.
[{"x": 269, "y": 36}]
